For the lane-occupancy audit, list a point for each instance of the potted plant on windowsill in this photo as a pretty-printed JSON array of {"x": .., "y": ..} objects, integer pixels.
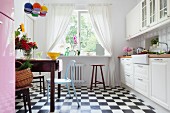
[{"x": 154, "y": 42}]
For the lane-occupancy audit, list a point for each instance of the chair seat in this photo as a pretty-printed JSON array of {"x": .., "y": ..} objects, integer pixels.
[
  {"x": 59, "y": 81},
  {"x": 38, "y": 76}
]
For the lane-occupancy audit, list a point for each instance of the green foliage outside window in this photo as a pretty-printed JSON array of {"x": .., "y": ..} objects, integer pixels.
[{"x": 87, "y": 37}]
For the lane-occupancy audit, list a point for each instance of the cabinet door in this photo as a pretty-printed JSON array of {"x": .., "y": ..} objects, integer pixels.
[
  {"x": 153, "y": 12},
  {"x": 144, "y": 14},
  {"x": 159, "y": 81},
  {"x": 133, "y": 22},
  {"x": 163, "y": 9}
]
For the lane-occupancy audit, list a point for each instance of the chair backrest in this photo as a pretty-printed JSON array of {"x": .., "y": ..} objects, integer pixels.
[{"x": 70, "y": 68}]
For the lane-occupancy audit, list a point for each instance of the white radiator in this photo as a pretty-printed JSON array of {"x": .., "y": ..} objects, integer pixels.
[{"x": 78, "y": 74}]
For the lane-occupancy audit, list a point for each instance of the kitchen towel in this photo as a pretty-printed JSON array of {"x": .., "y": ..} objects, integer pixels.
[{"x": 60, "y": 64}]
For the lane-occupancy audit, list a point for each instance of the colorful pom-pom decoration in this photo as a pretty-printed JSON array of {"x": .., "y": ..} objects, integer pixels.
[
  {"x": 44, "y": 8},
  {"x": 28, "y": 8},
  {"x": 35, "y": 10},
  {"x": 36, "y": 6}
]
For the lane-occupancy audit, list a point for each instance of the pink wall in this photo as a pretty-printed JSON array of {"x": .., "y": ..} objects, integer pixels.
[{"x": 7, "y": 59}]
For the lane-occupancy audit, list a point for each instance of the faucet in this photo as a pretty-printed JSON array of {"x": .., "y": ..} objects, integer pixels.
[{"x": 165, "y": 44}]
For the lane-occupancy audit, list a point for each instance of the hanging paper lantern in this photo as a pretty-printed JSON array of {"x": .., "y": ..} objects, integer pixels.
[
  {"x": 34, "y": 15},
  {"x": 28, "y": 8},
  {"x": 44, "y": 9},
  {"x": 36, "y": 7},
  {"x": 42, "y": 14}
]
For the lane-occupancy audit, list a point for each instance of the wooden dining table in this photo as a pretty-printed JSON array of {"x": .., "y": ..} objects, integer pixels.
[{"x": 47, "y": 65}]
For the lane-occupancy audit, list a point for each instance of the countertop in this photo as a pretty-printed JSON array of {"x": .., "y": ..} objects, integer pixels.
[{"x": 150, "y": 56}]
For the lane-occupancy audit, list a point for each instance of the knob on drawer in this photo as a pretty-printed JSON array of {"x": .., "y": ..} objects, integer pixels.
[{"x": 1, "y": 22}]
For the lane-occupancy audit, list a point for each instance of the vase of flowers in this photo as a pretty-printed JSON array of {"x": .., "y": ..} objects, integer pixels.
[
  {"x": 127, "y": 50},
  {"x": 23, "y": 43}
]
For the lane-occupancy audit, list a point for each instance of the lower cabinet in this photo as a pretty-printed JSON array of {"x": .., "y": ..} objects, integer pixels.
[
  {"x": 152, "y": 81},
  {"x": 126, "y": 71},
  {"x": 160, "y": 81},
  {"x": 141, "y": 79}
]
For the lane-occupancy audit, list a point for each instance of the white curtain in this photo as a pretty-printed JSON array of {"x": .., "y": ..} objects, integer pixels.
[
  {"x": 101, "y": 21},
  {"x": 57, "y": 22}
]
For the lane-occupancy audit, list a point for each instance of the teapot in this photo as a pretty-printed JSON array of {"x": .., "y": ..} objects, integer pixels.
[{"x": 139, "y": 50}]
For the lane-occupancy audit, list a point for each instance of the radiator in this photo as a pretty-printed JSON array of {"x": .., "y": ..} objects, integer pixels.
[{"x": 78, "y": 74}]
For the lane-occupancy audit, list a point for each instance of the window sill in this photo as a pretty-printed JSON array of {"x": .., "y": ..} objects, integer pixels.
[{"x": 83, "y": 56}]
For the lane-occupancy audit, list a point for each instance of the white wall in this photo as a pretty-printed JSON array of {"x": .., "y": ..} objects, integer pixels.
[{"x": 119, "y": 10}]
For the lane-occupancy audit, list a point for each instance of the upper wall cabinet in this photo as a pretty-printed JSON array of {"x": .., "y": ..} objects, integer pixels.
[
  {"x": 153, "y": 14},
  {"x": 144, "y": 14},
  {"x": 133, "y": 22},
  {"x": 163, "y": 9}
]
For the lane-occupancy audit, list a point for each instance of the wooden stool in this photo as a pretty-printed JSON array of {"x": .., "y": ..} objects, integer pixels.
[
  {"x": 97, "y": 82},
  {"x": 26, "y": 96}
]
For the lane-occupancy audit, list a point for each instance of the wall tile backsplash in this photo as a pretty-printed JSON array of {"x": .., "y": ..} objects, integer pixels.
[{"x": 163, "y": 34}]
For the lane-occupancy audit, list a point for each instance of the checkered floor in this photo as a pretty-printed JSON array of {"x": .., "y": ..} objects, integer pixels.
[{"x": 111, "y": 100}]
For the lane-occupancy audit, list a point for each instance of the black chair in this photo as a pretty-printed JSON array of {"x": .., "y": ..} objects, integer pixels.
[{"x": 41, "y": 81}]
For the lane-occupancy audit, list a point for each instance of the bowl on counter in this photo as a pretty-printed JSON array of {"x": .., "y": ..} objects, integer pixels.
[{"x": 53, "y": 55}]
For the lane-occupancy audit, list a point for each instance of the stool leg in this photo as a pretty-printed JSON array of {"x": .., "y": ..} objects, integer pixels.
[
  {"x": 92, "y": 79},
  {"x": 43, "y": 86},
  {"x": 102, "y": 76},
  {"x": 96, "y": 76},
  {"x": 24, "y": 103},
  {"x": 40, "y": 85},
  {"x": 28, "y": 99}
]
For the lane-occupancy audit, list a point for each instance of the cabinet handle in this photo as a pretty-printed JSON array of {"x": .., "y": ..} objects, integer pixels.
[
  {"x": 1, "y": 22},
  {"x": 140, "y": 66},
  {"x": 158, "y": 59},
  {"x": 128, "y": 75},
  {"x": 140, "y": 79}
]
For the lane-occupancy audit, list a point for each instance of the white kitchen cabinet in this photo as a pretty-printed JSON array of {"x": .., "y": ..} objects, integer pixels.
[
  {"x": 126, "y": 67},
  {"x": 163, "y": 10},
  {"x": 160, "y": 81},
  {"x": 133, "y": 22},
  {"x": 141, "y": 79},
  {"x": 149, "y": 13},
  {"x": 153, "y": 12},
  {"x": 144, "y": 14}
]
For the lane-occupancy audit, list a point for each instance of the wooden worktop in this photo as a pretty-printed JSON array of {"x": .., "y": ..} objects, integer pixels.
[{"x": 150, "y": 56}]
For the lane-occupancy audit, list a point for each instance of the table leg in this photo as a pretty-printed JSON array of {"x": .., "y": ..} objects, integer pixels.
[
  {"x": 59, "y": 85},
  {"x": 52, "y": 103}
]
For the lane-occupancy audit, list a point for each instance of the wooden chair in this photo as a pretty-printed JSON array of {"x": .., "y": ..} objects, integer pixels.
[
  {"x": 24, "y": 91},
  {"x": 41, "y": 81}
]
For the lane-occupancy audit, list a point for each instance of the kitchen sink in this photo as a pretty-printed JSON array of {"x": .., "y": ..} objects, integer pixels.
[{"x": 140, "y": 59}]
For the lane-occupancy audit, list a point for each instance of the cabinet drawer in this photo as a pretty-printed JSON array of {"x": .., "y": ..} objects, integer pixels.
[
  {"x": 128, "y": 68},
  {"x": 129, "y": 80},
  {"x": 141, "y": 85},
  {"x": 141, "y": 71}
]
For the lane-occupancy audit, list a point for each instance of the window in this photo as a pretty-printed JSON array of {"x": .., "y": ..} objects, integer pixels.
[{"x": 79, "y": 35}]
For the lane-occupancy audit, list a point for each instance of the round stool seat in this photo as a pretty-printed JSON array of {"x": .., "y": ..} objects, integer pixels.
[{"x": 97, "y": 65}]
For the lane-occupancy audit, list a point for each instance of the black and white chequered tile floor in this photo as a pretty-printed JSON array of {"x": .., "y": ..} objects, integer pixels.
[{"x": 111, "y": 100}]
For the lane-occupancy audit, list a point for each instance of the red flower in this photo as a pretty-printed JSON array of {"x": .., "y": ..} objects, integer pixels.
[{"x": 24, "y": 44}]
